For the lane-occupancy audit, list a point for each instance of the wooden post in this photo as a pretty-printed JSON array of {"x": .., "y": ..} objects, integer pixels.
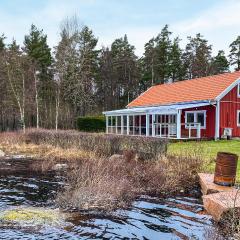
[
  {"x": 199, "y": 131},
  {"x": 179, "y": 113},
  {"x": 127, "y": 124},
  {"x": 147, "y": 125},
  {"x": 140, "y": 124},
  {"x": 122, "y": 123},
  {"x": 106, "y": 124},
  {"x": 153, "y": 125},
  {"x": 116, "y": 124},
  {"x": 133, "y": 124}
]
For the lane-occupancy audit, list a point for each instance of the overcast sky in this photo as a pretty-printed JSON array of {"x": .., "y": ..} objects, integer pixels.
[{"x": 217, "y": 20}]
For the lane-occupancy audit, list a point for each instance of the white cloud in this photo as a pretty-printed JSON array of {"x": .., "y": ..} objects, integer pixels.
[{"x": 219, "y": 24}]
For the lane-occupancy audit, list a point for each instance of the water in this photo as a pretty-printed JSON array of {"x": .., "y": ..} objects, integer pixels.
[{"x": 148, "y": 218}]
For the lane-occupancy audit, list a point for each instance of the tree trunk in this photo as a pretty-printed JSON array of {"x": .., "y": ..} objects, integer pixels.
[{"x": 36, "y": 99}]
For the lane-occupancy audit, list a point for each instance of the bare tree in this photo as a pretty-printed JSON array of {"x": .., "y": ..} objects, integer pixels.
[{"x": 15, "y": 66}]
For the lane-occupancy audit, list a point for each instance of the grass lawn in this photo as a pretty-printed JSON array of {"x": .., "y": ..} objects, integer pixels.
[{"x": 207, "y": 149}]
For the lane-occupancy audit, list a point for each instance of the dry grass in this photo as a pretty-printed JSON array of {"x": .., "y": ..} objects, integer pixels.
[
  {"x": 18, "y": 144},
  {"x": 95, "y": 181},
  {"x": 100, "y": 144},
  {"x": 108, "y": 184}
]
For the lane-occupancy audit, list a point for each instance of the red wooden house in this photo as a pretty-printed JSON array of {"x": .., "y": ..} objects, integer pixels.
[{"x": 207, "y": 107}]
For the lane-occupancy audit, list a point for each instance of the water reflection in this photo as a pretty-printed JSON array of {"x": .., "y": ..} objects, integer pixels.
[{"x": 148, "y": 218}]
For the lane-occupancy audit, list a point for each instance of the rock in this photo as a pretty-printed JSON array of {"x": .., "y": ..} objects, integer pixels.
[
  {"x": 32, "y": 216},
  {"x": 208, "y": 186},
  {"x": 219, "y": 203},
  {"x": 2, "y": 154},
  {"x": 60, "y": 166},
  {"x": 116, "y": 157}
]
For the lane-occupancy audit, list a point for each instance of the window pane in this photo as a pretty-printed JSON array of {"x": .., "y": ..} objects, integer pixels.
[
  {"x": 190, "y": 117},
  {"x": 239, "y": 118},
  {"x": 124, "y": 120},
  {"x": 200, "y": 118}
]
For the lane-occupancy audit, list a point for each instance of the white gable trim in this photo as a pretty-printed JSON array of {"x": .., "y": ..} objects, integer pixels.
[
  {"x": 228, "y": 89},
  {"x": 238, "y": 90}
]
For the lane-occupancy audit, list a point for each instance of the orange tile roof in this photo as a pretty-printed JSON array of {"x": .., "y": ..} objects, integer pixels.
[{"x": 205, "y": 88}]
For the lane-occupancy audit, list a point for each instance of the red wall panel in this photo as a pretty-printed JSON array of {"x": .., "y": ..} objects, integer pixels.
[
  {"x": 209, "y": 132},
  {"x": 228, "y": 112}
]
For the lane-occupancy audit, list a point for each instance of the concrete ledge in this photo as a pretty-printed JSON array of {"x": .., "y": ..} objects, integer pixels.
[
  {"x": 209, "y": 187},
  {"x": 218, "y": 203}
]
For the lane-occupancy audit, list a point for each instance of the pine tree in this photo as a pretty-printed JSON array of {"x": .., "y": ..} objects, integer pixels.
[
  {"x": 106, "y": 82},
  {"x": 87, "y": 66},
  {"x": 36, "y": 47},
  {"x": 149, "y": 62},
  {"x": 163, "y": 49},
  {"x": 176, "y": 68},
  {"x": 220, "y": 63},
  {"x": 2, "y": 44},
  {"x": 197, "y": 57},
  {"x": 14, "y": 46},
  {"x": 76, "y": 64},
  {"x": 125, "y": 70},
  {"x": 235, "y": 53}
]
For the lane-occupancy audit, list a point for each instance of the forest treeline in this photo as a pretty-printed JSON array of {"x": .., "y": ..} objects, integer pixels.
[{"x": 50, "y": 88}]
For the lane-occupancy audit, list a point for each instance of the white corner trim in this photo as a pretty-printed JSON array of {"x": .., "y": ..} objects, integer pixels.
[
  {"x": 238, "y": 90},
  {"x": 238, "y": 118},
  {"x": 195, "y": 116},
  {"x": 217, "y": 121},
  {"x": 228, "y": 89}
]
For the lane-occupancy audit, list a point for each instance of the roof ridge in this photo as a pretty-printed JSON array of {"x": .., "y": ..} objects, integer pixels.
[
  {"x": 197, "y": 79},
  {"x": 205, "y": 88}
]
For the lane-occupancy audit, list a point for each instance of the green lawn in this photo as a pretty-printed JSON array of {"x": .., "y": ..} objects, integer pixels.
[{"x": 208, "y": 150}]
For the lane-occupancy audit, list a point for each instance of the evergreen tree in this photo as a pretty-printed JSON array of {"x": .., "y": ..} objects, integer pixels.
[
  {"x": 162, "y": 61},
  {"x": 149, "y": 63},
  {"x": 2, "y": 44},
  {"x": 14, "y": 46},
  {"x": 176, "y": 68},
  {"x": 36, "y": 47},
  {"x": 235, "y": 53},
  {"x": 87, "y": 69},
  {"x": 76, "y": 63},
  {"x": 220, "y": 63},
  {"x": 125, "y": 70},
  {"x": 163, "y": 49},
  {"x": 197, "y": 57},
  {"x": 106, "y": 84}
]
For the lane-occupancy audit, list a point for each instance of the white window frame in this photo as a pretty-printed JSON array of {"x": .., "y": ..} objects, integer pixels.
[
  {"x": 195, "y": 118},
  {"x": 238, "y": 90},
  {"x": 238, "y": 118}
]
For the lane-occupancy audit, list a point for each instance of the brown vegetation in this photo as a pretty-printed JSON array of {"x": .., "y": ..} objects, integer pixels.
[
  {"x": 108, "y": 184},
  {"x": 99, "y": 144},
  {"x": 97, "y": 180}
]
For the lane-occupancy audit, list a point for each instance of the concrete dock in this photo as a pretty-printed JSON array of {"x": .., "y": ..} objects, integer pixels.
[{"x": 218, "y": 200}]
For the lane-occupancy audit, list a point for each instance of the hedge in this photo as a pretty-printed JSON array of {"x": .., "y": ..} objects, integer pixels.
[
  {"x": 100, "y": 143},
  {"x": 91, "y": 124}
]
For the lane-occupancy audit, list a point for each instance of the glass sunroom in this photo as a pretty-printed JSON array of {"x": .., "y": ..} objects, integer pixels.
[{"x": 160, "y": 121}]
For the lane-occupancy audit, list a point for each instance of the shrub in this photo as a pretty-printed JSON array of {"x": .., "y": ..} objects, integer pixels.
[
  {"x": 99, "y": 143},
  {"x": 107, "y": 184},
  {"x": 91, "y": 124}
]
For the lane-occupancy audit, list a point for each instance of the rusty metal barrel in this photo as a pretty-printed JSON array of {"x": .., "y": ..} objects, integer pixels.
[{"x": 225, "y": 169}]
